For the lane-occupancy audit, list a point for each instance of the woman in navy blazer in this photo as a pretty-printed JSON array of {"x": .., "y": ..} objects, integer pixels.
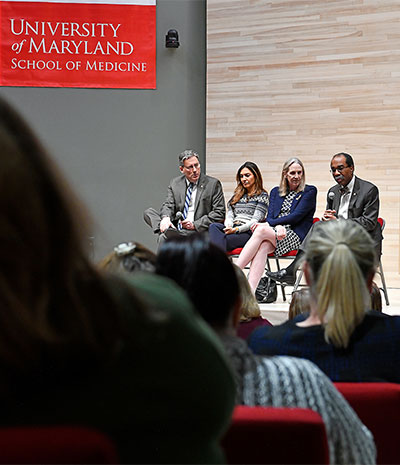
[{"x": 290, "y": 216}]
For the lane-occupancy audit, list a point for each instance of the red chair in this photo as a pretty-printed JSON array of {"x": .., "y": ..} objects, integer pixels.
[
  {"x": 235, "y": 252},
  {"x": 267, "y": 435},
  {"x": 378, "y": 406},
  {"x": 55, "y": 445}
]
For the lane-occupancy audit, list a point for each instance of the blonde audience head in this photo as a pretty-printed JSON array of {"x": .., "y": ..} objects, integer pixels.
[{"x": 340, "y": 263}]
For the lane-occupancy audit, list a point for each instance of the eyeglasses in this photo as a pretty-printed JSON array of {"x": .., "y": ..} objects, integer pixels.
[
  {"x": 339, "y": 169},
  {"x": 196, "y": 166}
]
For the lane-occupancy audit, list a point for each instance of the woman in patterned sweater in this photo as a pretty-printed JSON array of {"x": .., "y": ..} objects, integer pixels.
[
  {"x": 290, "y": 216},
  {"x": 247, "y": 207},
  {"x": 209, "y": 279}
]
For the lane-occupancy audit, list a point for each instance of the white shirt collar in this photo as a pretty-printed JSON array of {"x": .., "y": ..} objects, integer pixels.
[{"x": 350, "y": 185}]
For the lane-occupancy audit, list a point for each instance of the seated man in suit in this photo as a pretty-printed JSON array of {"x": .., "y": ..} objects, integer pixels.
[
  {"x": 193, "y": 202},
  {"x": 351, "y": 198}
]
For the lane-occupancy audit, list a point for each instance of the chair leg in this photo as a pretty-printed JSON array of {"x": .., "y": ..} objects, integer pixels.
[
  {"x": 298, "y": 280},
  {"x": 281, "y": 284},
  {"x": 384, "y": 288}
]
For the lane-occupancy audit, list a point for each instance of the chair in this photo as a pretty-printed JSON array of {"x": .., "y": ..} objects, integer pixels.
[
  {"x": 236, "y": 252},
  {"x": 378, "y": 406},
  {"x": 55, "y": 445},
  {"x": 298, "y": 280},
  {"x": 269, "y": 435},
  {"x": 379, "y": 270},
  {"x": 289, "y": 255}
]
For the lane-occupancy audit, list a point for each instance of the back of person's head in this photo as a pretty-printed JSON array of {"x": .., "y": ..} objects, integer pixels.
[
  {"x": 249, "y": 308},
  {"x": 300, "y": 303},
  {"x": 44, "y": 272},
  {"x": 37, "y": 226},
  {"x": 376, "y": 298},
  {"x": 129, "y": 257},
  {"x": 204, "y": 272},
  {"x": 341, "y": 261}
]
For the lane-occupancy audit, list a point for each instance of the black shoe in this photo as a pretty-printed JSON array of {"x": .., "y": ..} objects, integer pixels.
[{"x": 281, "y": 276}]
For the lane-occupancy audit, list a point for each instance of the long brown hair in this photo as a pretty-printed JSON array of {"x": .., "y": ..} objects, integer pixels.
[
  {"x": 50, "y": 295},
  {"x": 240, "y": 190}
]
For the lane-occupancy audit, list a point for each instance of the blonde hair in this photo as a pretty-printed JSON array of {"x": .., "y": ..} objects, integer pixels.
[
  {"x": 300, "y": 303},
  {"x": 341, "y": 256},
  {"x": 249, "y": 308},
  {"x": 284, "y": 185}
]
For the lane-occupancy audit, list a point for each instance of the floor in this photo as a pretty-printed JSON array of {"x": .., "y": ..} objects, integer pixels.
[{"x": 277, "y": 312}]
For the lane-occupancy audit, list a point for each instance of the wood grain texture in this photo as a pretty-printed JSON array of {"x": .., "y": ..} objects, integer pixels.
[{"x": 307, "y": 79}]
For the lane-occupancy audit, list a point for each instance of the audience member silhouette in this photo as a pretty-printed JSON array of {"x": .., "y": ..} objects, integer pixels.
[
  {"x": 129, "y": 257},
  {"x": 340, "y": 335},
  {"x": 209, "y": 279},
  {"x": 300, "y": 303},
  {"x": 78, "y": 347}
]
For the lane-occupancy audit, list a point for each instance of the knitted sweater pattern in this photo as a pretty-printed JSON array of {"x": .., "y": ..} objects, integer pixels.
[
  {"x": 248, "y": 211},
  {"x": 282, "y": 381}
]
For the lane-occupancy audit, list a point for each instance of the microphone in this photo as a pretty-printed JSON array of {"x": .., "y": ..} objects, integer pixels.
[
  {"x": 331, "y": 196},
  {"x": 177, "y": 218}
]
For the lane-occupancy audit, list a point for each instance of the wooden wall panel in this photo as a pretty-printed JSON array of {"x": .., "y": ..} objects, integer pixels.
[{"x": 309, "y": 79}]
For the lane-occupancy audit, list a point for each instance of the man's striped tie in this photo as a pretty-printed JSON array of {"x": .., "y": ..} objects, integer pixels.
[{"x": 187, "y": 203}]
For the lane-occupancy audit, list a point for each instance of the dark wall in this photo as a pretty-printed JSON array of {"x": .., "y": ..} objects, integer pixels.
[{"x": 119, "y": 148}]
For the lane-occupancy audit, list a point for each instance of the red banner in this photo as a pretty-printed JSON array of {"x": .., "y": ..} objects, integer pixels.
[{"x": 99, "y": 43}]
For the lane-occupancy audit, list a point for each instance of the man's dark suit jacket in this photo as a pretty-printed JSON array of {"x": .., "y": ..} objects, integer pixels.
[
  {"x": 363, "y": 208},
  {"x": 209, "y": 204}
]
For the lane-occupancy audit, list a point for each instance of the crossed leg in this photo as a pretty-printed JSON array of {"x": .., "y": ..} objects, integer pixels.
[{"x": 256, "y": 250}]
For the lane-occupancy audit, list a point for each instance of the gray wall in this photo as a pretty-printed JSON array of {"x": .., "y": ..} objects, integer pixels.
[{"x": 119, "y": 148}]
